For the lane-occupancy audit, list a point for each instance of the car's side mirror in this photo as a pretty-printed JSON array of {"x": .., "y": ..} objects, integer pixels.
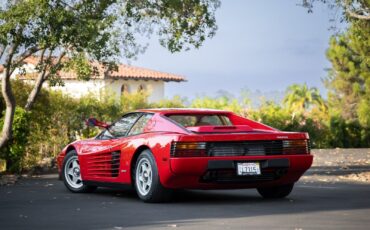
[{"x": 93, "y": 122}]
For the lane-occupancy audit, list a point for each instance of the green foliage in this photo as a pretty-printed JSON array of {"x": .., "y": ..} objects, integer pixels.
[
  {"x": 14, "y": 151},
  {"x": 181, "y": 24},
  {"x": 351, "y": 10},
  {"x": 175, "y": 102},
  {"x": 81, "y": 66},
  {"x": 349, "y": 77},
  {"x": 133, "y": 101},
  {"x": 304, "y": 110},
  {"x": 285, "y": 119},
  {"x": 273, "y": 115},
  {"x": 348, "y": 133},
  {"x": 63, "y": 121},
  {"x": 223, "y": 102},
  {"x": 100, "y": 29},
  {"x": 71, "y": 36},
  {"x": 54, "y": 27},
  {"x": 301, "y": 98}
]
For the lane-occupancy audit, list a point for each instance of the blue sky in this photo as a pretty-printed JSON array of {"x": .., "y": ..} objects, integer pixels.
[{"x": 260, "y": 45}]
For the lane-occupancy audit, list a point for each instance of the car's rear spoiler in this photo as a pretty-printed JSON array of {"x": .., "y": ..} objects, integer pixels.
[{"x": 223, "y": 129}]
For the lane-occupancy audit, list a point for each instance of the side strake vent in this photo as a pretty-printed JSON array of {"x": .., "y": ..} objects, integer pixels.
[
  {"x": 104, "y": 164},
  {"x": 240, "y": 148}
]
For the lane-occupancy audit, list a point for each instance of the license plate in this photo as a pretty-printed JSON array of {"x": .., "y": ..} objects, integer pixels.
[{"x": 248, "y": 169}]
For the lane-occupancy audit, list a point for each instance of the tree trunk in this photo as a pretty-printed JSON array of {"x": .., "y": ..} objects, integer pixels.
[
  {"x": 41, "y": 79},
  {"x": 38, "y": 83},
  {"x": 9, "y": 99},
  {"x": 35, "y": 91}
]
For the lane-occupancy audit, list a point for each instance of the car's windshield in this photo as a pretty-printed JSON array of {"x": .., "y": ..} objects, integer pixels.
[{"x": 200, "y": 119}]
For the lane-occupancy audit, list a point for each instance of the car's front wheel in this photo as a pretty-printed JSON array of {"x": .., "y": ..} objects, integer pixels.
[
  {"x": 276, "y": 192},
  {"x": 146, "y": 179},
  {"x": 71, "y": 174}
]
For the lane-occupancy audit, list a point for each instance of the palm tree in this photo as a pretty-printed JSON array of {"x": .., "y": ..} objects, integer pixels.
[{"x": 302, "y": 98}]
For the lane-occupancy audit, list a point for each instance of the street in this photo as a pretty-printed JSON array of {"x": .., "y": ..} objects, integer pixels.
[{"x": 44, "y": 203}]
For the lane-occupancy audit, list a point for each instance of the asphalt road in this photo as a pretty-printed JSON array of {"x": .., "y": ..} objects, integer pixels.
[{"x": 44, "y": 203}]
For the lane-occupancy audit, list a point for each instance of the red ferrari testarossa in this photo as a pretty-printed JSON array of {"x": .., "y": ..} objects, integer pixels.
[{"x": 160, "y": 150}]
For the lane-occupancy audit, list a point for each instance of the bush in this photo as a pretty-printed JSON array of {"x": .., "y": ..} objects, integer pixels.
[
  {"x": 348, "y": 134},
  {"x": 15, "y": 149},
  {"x": 175, "y": 102},
  {"x": 58, "y": 119}
]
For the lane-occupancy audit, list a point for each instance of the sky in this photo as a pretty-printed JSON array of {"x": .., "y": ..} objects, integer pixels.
[{"x": 259, "y": 45}]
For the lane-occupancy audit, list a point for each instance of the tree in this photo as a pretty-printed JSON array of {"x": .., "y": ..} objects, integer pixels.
[
  {"x": 352, "y": 9},
  {"x": 66, "y": 35},
  {"x": 51, "y": 30},
  {"x": 302, "y": 98},
  {"x": 349, "y": 76}
]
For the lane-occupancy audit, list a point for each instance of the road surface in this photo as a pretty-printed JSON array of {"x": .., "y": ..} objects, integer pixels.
[{"x": 44, "y": 203}]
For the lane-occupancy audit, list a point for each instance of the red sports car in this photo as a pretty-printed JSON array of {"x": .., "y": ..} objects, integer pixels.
[{"x": 160, "y": 150}]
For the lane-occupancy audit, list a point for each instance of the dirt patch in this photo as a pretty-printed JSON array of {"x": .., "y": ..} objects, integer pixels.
[
  {"x": 341, "y": 157},
  {"x": 359, "y": 177},
  {"x": 8, "y": 179},
  {"x": 339, "y": 165}
]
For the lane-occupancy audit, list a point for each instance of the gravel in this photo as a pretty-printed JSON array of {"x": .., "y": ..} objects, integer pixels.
[{"x": 339, "y": 165}]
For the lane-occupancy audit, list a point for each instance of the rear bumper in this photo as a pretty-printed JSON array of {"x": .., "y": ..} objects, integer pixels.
[{"x": 220, "y": 172}]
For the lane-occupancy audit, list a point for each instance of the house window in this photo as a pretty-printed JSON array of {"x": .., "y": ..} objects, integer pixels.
[
  {"x": 124, "y": 89},
  {"x": 141, "y": 88}
]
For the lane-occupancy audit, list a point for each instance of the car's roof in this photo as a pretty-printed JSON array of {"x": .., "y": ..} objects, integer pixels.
[{"x": 183, "y": 111}]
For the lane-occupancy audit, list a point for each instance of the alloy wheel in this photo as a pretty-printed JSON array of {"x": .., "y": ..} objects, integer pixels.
[
  {"x": 144, "y": 176},
  {"x": 72, "y": 173}
]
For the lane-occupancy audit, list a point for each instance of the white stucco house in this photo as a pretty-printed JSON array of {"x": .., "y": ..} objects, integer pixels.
[{"x": 126, "y": 79}]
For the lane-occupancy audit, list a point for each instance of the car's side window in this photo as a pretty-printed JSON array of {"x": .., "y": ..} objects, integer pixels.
[
  {"x": 140, "y": 124},
  {"x": 120, "y": 127}
]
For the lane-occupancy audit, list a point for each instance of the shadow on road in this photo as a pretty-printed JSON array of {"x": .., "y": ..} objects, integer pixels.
[{"x": 39, "y": 203}]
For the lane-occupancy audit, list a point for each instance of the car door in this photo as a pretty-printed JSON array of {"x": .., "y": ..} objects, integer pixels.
[{"x": 100, "y": 157}]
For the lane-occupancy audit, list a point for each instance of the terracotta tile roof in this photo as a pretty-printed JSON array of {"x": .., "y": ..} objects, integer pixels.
[
  {"x": 32, "y": 60},
  {"x": 124, "y": 72},
  {"x": 132, "y": 72}
]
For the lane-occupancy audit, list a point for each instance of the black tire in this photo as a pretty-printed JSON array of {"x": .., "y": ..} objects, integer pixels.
[
  {"x": 81, "y": 188},
  {"x": 276, "y": 192},
  {"x": 155, "y": 192}
]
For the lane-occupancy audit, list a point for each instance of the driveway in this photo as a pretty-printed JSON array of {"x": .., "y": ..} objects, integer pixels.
[{"x": 44, "y": 203}]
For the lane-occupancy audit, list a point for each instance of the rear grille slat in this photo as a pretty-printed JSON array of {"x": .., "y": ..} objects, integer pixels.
[
  {"x": 251, "y": 148},
  {"x": 240, "y": 148}
]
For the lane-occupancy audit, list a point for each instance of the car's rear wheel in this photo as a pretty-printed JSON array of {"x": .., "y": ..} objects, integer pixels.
[
  {"x": 146, "y": 179},
  {"x": 71, "y": 174},
  {"x": 276, "y": 192}
]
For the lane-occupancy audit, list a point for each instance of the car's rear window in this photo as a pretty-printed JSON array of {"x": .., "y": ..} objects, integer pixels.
[{"x": 200, "y": 119}]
